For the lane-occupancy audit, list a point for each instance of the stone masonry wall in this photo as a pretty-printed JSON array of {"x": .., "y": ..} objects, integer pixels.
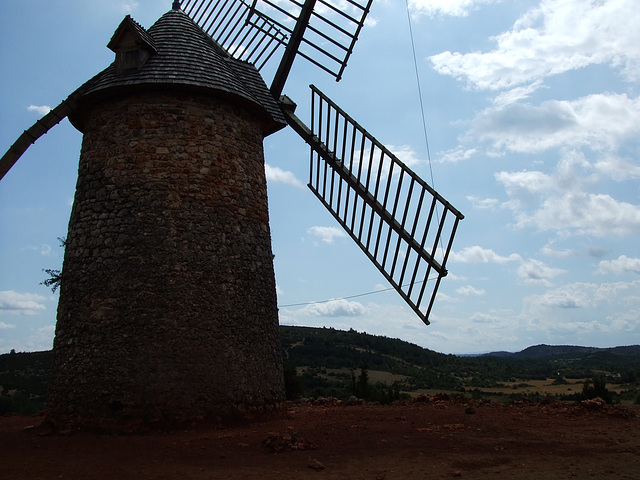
[{"x": 168, "y": 308}]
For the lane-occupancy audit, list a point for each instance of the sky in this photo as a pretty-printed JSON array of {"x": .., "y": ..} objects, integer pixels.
[{"x": 532, "y": 116}]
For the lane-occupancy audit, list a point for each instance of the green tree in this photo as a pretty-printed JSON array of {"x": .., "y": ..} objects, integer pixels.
[
  {"x": 55, "y": 275},
  {"x": 598, "y": 389},
  {"x": 292, "y": 382},
  {"x": 362, "y": 385},
  {"x": 560, "y": 380}
]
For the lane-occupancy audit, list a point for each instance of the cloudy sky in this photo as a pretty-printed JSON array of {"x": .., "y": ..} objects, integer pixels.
[{"x": 532, "y": 113}]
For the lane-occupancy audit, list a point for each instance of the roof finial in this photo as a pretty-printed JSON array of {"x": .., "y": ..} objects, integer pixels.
[{"x": 176, "y": 4}]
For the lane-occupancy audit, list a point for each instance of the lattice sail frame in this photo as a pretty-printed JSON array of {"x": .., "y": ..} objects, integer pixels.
[
  {"x": 404, "y": 226},
  {"x": 252, "y": 30},
  {"x": 238, "y": 27}
]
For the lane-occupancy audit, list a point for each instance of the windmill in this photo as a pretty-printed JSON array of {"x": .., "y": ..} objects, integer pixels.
[
  {"x": 401, "y": 224},
  {"x": 147, "y": 185}
]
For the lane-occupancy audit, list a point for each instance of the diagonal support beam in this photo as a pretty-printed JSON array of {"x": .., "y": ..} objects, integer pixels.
[
  {"x": 291, "y": 51},
  {"x": 38, "y": 129}
]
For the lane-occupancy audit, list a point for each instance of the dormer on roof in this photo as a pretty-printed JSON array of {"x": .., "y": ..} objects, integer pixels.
[{"x": 133, "y": 46}]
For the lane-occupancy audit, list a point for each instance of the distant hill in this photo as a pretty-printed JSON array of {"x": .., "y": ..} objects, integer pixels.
[
  {"x": 331, "y": 358},
  {"x": 23, "y": 381},
  {"x": 546, "y": 351},
  {"x": 329, "y": 362}
]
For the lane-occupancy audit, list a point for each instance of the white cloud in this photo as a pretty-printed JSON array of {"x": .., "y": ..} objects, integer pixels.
[
  {"x": 335, "y": 308},
  {"x": 580, "y": 295},
  {"x": 529, "y": 182},
  {"x": 553, "y": 252},
  {"x": 477, "y": 254},
  {"x": 483, "y": 203},
  {"x": 39, "y": 109},
  {"x": 562, "y": 299},
  {"x": 326, "y": 234},
  {"x": 129, "y": 6},
  {"x": 277, "y": 175},
  {"x": 622, "y": 264},
  {"x": 562, "y": 201},
  {"x": 44, "y": 249},
  {"x": 530, "y": 271},
  {"x": 481, "y": 331},
  {"x": 626, "y": 321},
  {"x": 470, "y": 291},
  {"x": 482, "y": 317},
  {"x": 516, "y": 94},
  {"x": 553, "y": 38},
  {"x": 596, "y": 252},
  {"x": 406, "y": 154},
  {"x": 580, "y": 213},
  {"x": 371, "y": 21},
  {"x": 583, "y": 313},
  {"x": 15, "y": 303},
  {"x": 600, "y": 122},
  {"x": 456, "y": 8},
  {"x": 40, "y": 339},
  {"x": 618, "y": 168},
  {"x": 6, "y": 326},
  {"x": 597, "y": 307},
  {"x": 535, "y": 272},
  {"x": 457, "y": 154}
]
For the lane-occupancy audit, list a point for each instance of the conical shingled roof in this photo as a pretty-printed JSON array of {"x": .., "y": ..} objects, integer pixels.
[{"x": 187, "y": 58}]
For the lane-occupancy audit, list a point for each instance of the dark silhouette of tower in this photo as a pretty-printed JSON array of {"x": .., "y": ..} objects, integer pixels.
[{"x": 168, "y": 305}]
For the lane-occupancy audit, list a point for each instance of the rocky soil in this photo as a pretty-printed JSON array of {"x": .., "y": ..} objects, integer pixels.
[{"x": 430, "y": 437}]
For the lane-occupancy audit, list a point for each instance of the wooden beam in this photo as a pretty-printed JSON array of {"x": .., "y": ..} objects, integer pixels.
[{"x": 291, "y": 51}]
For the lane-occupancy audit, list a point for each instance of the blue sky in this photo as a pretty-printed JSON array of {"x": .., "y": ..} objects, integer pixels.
[{"x": 532, "y": 111}]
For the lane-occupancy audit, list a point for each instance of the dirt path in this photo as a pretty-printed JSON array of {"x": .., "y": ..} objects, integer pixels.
[{"x": 433, "y": 439}]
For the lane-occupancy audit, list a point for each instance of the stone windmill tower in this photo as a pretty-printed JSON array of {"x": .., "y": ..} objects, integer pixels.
[{"x": 168, "y": 306}]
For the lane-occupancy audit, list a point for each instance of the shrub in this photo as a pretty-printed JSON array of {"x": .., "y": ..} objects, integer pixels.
[{"x": 598, "y": 389}]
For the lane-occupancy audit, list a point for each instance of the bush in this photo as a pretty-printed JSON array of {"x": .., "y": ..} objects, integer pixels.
[
  {"x": 598, "y": 389},
  {"x": 292, "y": 382}
]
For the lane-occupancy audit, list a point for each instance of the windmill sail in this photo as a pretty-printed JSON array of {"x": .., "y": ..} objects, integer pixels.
[
  {"x": 404, "y": 226},
  {"x": 318, "y": 30},
  {"x": 324, "y": 34},
  {"x": 38, "y": 129},
  {"x": 237, "y": 26}
]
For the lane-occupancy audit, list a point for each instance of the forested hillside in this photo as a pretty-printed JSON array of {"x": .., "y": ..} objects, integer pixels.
[{"x": 330, "y": 362}]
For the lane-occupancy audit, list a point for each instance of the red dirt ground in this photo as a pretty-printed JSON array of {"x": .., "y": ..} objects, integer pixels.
[{"x": 433, "y": 437}]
